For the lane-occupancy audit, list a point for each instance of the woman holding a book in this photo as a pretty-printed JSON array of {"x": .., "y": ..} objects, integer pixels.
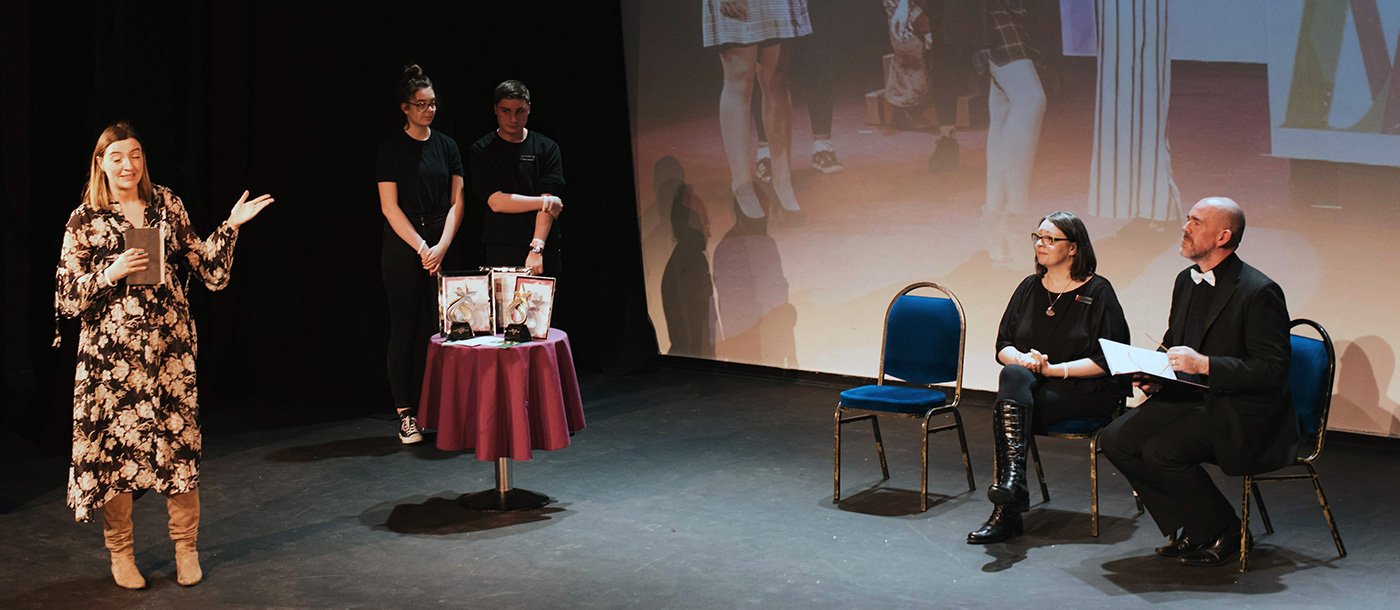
[
  {"x": 135, "y": 412},
  {"x": 1053, "y": 367}
]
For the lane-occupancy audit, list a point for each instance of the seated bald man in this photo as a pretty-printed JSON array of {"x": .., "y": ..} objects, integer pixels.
[{"x": 1228, "y": 329}]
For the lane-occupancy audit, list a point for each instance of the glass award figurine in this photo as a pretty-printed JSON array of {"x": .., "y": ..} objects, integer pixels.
[
  {"x": 459, "y": 316},
  {"x": 516, "y": 313}
]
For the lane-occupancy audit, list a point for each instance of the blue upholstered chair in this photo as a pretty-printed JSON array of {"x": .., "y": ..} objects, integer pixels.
[
  {"x": 923, "y": 346},
  {"x": 1311, "y": 374},
  {"x": 1081, "y": 429}
]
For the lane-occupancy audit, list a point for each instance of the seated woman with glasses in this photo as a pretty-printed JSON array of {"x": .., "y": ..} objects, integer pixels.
[{"x": 1054, "y": 368}]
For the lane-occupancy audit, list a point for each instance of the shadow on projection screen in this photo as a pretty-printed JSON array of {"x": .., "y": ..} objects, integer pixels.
[{"x": 798, "y": 162}]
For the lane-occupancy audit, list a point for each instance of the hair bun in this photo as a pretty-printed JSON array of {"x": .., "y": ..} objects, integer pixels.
[{"x": 412, "y": 80}]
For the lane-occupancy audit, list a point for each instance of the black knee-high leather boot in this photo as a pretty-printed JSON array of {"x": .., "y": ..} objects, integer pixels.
[
  {"x": 1004, "y": 524},
  {"x": 1013, "y": 424}
]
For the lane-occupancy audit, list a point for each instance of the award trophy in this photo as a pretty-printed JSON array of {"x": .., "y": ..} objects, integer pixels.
[
  {"x": 516, "y": 313},
  {"x": 459, "y": 316}
]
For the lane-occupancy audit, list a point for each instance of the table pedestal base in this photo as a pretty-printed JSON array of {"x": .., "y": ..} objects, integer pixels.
[
  {"x": 503, "y": 497},
  {"x": 503, "y": 501}
]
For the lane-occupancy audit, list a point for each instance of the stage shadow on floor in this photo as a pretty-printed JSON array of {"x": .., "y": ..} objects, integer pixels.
[
  {"x": 442, "y": 515},
  {"x": 372, "y": 446},
  {"x": 894, "y": 502},
  {"x": 96, "y": 592},
  {"x": 1046, "y": 527},
  {"x": 1269, "y": 567}
]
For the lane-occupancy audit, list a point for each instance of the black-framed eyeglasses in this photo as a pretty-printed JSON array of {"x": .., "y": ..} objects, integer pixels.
[
  {"x": 1049, "y": 240},
  {"x": 422, "y": 105}
]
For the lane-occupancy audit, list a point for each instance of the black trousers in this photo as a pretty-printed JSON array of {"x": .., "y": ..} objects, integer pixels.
[
  {"x": 1159, "y": 447},
  {"x": 808, "y": 70},
  {"x": 1053, "y": 400},
  {"x": 413, "y": 307}
]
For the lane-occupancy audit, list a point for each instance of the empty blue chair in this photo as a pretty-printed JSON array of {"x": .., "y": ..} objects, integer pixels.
[{"x": 923, "y": 347}]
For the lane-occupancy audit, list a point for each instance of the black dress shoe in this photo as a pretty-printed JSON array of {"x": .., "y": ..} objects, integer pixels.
[
  {"x": 1004, "y": 524},
  {"x": 1176, "y": 548},
  {"x": 1221, "y": 550}
]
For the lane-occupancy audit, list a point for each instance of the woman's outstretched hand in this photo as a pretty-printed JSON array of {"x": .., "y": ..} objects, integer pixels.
[{"x": 245, "y": 210}]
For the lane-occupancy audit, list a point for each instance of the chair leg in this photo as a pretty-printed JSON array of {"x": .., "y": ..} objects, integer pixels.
[
  {"x": 1263, "y": 510},
  {"x": 1326, "y": 510},
  {"x": 836, "y": 473},
  {"x": 1244, "y": 524},
  {"x": 1039, "y": 472},
  {"x": 923, "y": 472},
  {"x": 962, "y": 440},
  {"x": 880, "y": 447},
  {"x": 1094, "y": 485},
  {"x": 1138, "y": 499}
]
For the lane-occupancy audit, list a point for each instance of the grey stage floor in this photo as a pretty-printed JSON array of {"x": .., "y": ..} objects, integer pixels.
[{"x": 686, "y": 490}]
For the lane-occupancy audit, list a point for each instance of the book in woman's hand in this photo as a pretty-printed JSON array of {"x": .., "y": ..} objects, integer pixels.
[{"x": 152, "y": 240}]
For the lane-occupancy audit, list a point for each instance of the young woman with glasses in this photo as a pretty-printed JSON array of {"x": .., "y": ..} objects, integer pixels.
[{"x": 421, "y": 185}]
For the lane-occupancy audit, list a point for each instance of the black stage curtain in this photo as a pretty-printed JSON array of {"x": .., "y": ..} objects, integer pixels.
[{"x": 293, "y": 99}]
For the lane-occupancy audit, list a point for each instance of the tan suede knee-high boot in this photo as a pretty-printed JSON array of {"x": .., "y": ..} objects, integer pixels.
[
  {"x": 184, "y": 529},
  {"x": 117, "y": 532}
]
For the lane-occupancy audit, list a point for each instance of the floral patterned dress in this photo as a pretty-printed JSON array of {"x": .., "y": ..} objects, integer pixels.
[{"x": 135, "y": 416}]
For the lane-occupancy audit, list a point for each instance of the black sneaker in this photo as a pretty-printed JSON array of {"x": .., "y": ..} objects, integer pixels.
[
  {"x": 408, "y": 430},
  {"x": 763, "y": 170},
  {"x": 826, "y": 162}
]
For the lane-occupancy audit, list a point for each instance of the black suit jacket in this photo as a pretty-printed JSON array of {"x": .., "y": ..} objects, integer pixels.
[{"x": 1253, "y": 426}]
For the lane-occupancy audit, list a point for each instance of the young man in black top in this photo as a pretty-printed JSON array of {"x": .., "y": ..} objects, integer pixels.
[{"x": 518, "y": 174}]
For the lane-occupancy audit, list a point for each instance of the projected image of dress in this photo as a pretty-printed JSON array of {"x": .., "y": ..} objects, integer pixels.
[
  {"x": 1131, "y": 172},
  {"x": 751, "y": 38}
]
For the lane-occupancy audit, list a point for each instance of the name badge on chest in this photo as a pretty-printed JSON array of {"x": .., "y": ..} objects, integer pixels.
[{"x": 529, "y": 158}]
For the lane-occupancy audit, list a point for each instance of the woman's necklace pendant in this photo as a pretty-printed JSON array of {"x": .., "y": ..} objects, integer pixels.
[{"x": 1050, "y": 311}]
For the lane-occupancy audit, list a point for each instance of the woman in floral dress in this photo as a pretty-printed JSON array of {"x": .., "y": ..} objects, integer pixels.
[{"x": 135, "y": 415}]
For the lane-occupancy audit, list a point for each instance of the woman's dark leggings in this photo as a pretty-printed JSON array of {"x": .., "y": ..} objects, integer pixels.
[
  {"x": 413, "y": 308},
  {"x": 1054, "y": 400}
]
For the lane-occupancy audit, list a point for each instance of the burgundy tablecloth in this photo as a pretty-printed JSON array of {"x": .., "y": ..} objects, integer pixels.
[{"x": 502, "y": 401}]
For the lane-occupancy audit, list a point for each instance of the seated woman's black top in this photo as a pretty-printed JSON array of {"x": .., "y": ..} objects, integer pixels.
[{"x": 1082, "y": 317}]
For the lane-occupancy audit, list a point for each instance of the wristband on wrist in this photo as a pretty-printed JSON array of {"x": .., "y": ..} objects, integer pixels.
[{"x": 1064, "y": 371}]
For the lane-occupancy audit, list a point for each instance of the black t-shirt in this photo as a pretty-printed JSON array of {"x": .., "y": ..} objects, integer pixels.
[
  {"x": 422, "y": 171},
  {"x": 1082, "y": 317},
  {"x": 530, "y": 168}
]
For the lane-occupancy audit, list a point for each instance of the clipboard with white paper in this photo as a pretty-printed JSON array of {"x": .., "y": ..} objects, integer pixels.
[{"x": 1124, "y": 359}]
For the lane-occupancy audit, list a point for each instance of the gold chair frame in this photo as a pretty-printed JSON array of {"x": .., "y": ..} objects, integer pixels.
[
  {"x": 1251, "y": 482},
  {"x": 949, "y": 408},
  {"x": 1094, "y": 451}
]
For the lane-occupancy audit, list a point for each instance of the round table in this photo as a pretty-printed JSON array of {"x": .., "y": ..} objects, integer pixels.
[{"x": 503, "y": 402}]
